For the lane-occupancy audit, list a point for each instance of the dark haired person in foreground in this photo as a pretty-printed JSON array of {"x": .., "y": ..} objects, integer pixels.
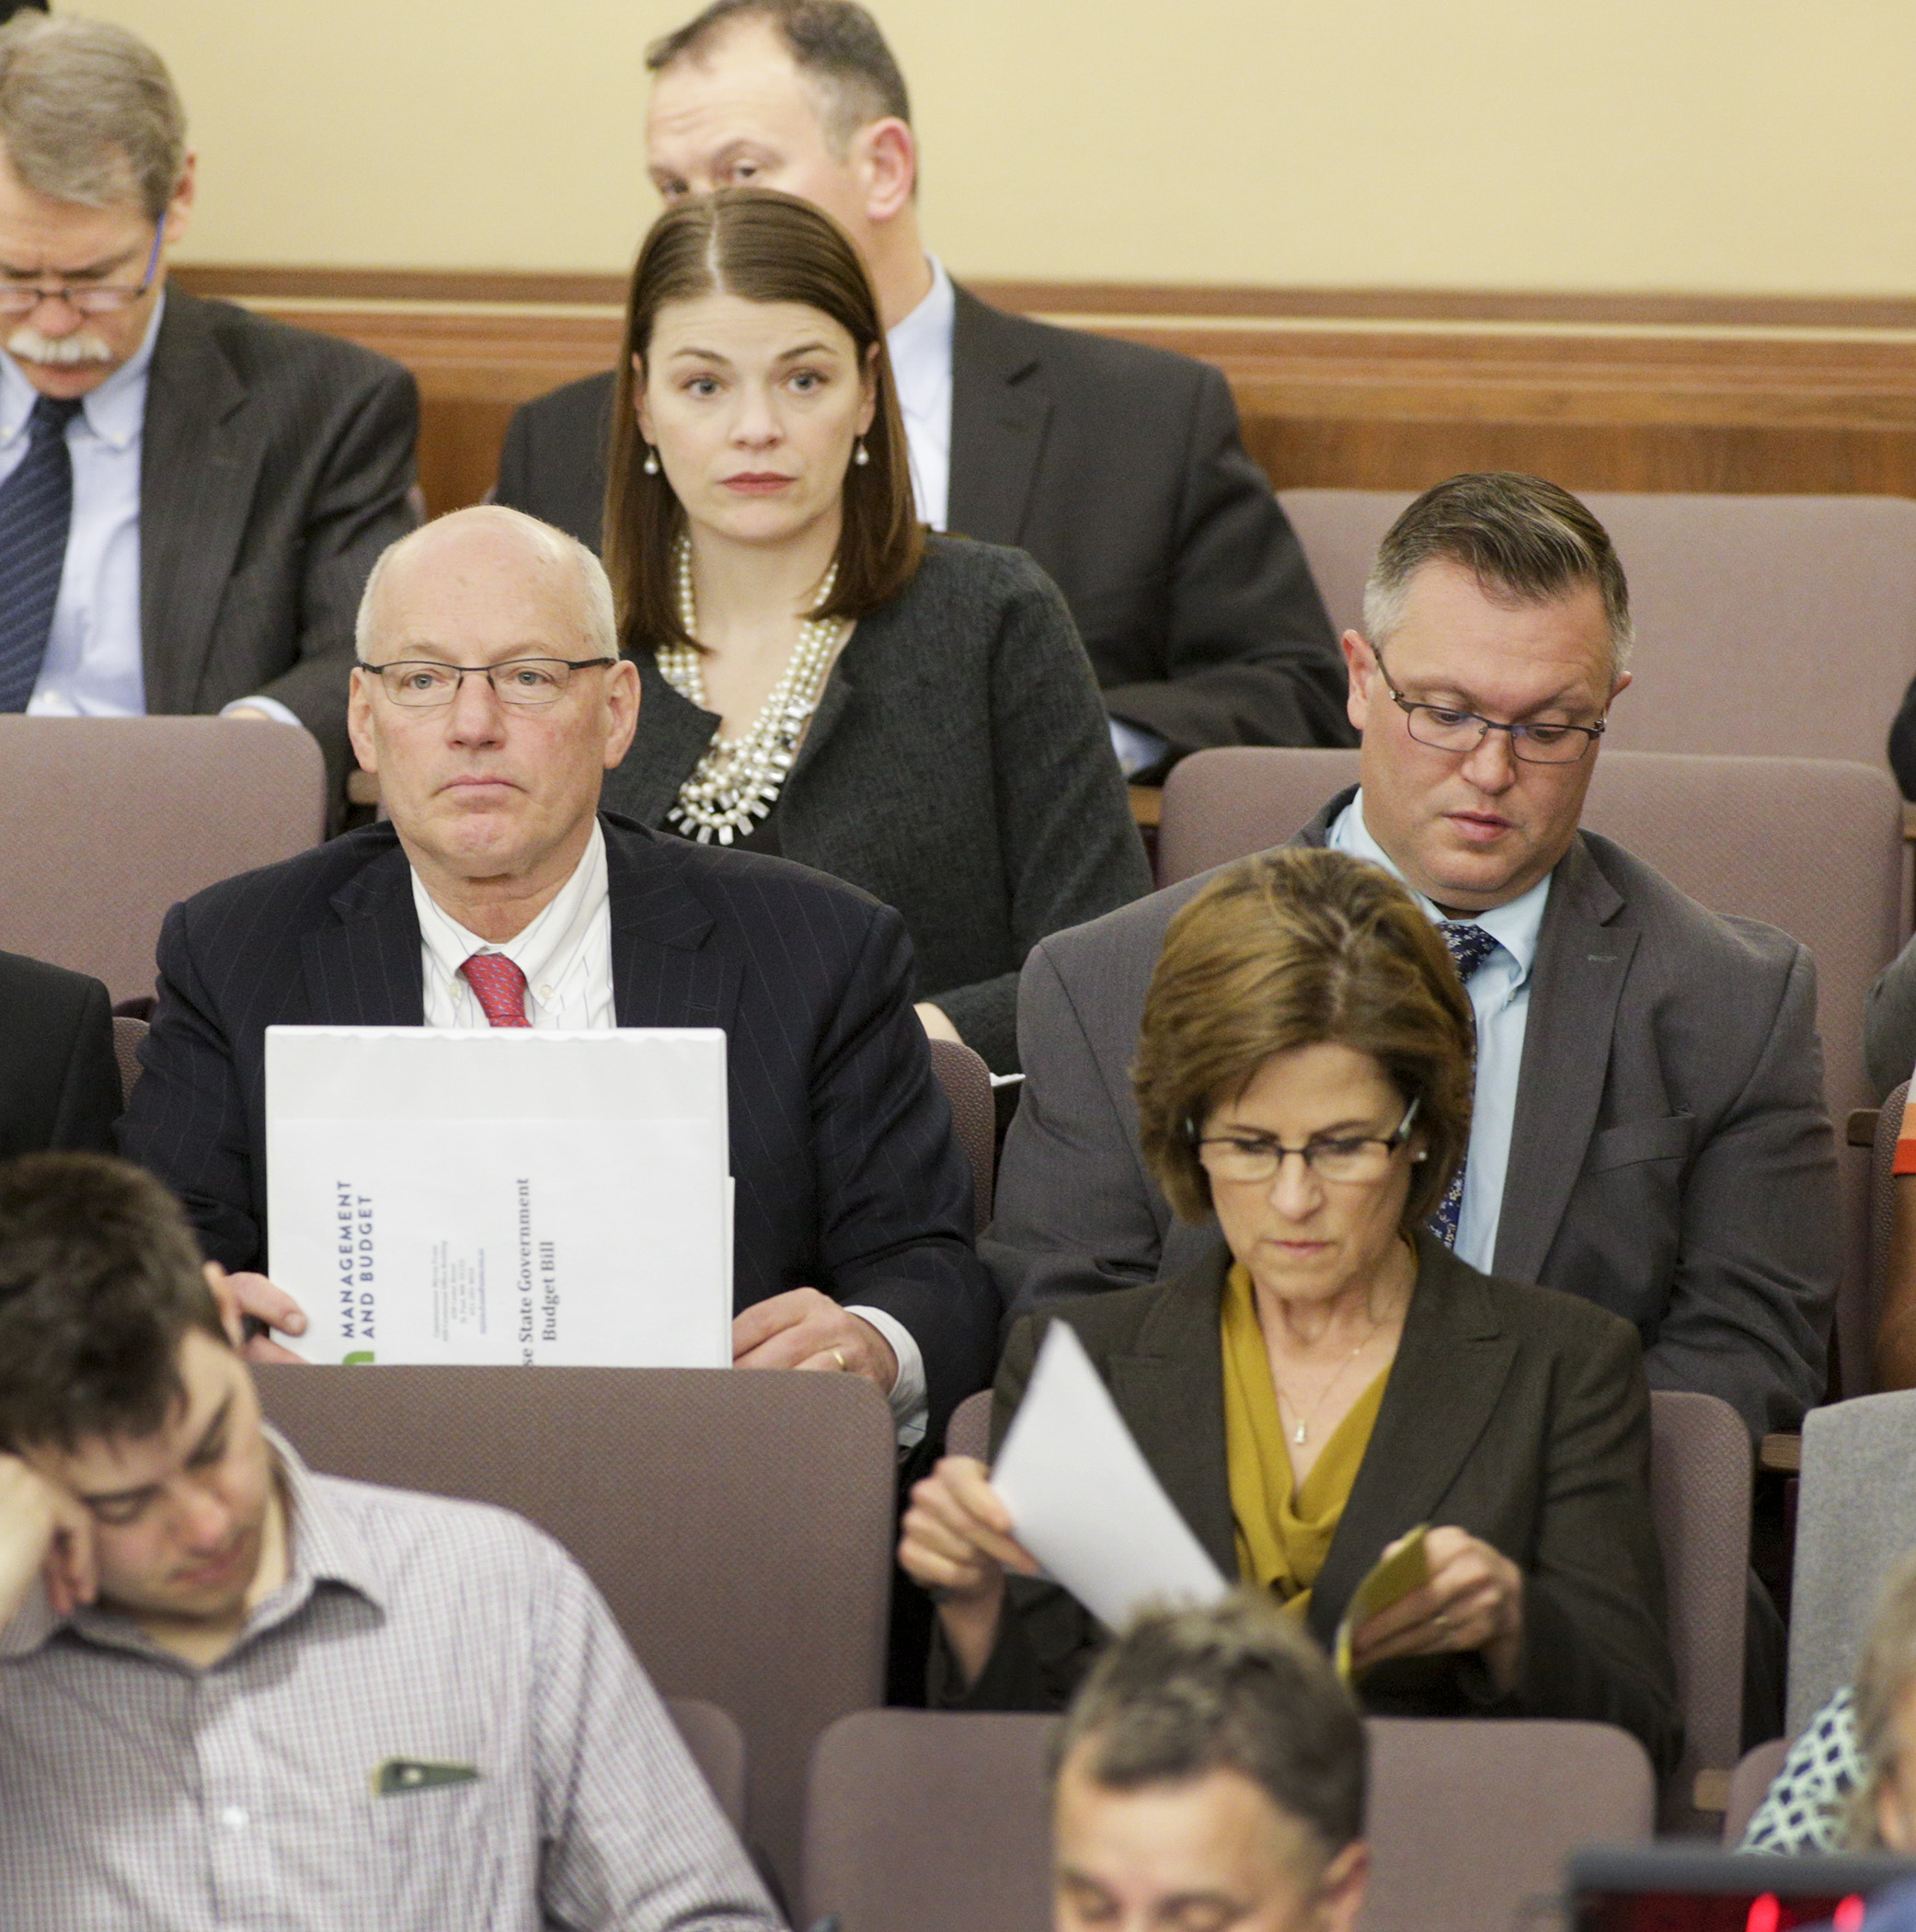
[
  {"x": 232, "y": 1692},
  {"x": 1211, "y": 1774},
  {"x": 819, "y": 678},
  {"x": 1328, "y": 1376},
  {"x": 1120, "y": 468}
]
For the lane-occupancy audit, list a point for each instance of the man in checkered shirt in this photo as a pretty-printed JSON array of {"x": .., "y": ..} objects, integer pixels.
[{"x": 236, "y": 1694}]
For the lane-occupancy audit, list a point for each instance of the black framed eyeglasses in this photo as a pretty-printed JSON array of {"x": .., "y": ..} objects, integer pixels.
[
  {"x": 105, "y": 298},
  {"x": 527, "y": 682},
  {"x": 1344, "y": 1160},
  {"x": 1445, "y": 729}
]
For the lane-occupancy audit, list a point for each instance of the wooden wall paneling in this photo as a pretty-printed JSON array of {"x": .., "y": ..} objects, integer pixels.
[
  {"x": 1363, "y": 389},
  {"x": 475, "y": 364}
]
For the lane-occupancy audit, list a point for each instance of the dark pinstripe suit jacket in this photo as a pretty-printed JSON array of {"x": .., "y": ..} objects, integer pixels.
[
  {"x": 274, "y": 465},
  {"x": 848, "y": 1177}
]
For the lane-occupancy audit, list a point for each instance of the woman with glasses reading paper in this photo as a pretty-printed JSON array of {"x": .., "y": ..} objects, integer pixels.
[
  {"x": 1332, "y": 1378},
  {"x": 823, "y": 680}
]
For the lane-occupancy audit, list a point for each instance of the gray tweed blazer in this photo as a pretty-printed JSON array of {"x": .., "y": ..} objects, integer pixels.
[{"x": 958, "y": 768}]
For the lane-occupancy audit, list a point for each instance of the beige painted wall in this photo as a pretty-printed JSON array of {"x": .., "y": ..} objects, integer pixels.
[{"x": 1722, "y": 145}]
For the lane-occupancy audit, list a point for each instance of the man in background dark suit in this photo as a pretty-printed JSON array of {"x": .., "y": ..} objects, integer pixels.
[
  {"x": 191, "y": 496},
  {"x": 1118, "y": 468},
  {"x": 498, "y": 895},
  {"x": 1649, "y": 1127},
  {"x": 58, "y": 1079}
]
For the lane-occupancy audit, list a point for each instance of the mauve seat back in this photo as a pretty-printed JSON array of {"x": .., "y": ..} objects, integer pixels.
[
  {"x": 107, "y": 822},
  {"x": 740, "y": 1524}
]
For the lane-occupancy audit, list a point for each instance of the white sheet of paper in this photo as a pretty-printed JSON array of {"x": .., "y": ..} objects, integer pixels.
[
  {"x": 1084, "y": 1502},
  {"x": 519, "y": 1196}
]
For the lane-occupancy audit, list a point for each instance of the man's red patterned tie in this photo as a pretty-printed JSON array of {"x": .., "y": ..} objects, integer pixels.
[{"x": 500, "y": 987}]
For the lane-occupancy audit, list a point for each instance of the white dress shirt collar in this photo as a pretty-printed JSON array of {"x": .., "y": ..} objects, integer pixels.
[
  {"x": 115, "y": 412},
  {"x": 920, "y": 348},
  {"x": 1514, "y": 926},
  {"x": 551, "y": 951}
]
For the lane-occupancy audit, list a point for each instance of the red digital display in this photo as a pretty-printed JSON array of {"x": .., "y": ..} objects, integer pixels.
[{"x": 1692, "y": 1911}]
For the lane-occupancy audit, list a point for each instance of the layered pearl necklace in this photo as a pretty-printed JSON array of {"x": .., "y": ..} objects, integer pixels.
[{"x": 738, "y": 779}]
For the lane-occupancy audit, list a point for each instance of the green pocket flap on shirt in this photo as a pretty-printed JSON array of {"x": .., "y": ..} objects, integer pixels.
[{"x": 398, "y": 1776}]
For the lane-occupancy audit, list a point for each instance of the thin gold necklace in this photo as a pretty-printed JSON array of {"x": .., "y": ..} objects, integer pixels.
[{"x": 1304, "y": 1422}]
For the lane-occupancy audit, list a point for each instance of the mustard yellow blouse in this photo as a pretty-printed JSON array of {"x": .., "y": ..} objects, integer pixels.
[{"x": 1283, "y": 1530}]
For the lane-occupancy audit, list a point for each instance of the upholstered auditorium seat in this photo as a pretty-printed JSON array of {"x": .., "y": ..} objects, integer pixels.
[
  {"x": 739, "y": 1526},
  {"x": 105, "y": 822},
  {"x": 1855, "y": 1516},
  {"x": 966, "y": 1081}
]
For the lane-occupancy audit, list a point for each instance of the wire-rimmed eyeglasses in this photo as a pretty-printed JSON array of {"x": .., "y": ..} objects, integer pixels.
[
  {"x": 101, "y": 298},
  {"x": 528, "y": 682},
  {"x": 1345, "y": 1160},
  {"x": 1445, "y": 729}
]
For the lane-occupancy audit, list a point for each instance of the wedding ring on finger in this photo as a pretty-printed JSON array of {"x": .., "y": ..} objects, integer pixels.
[{"x": 838, "y": 1355}]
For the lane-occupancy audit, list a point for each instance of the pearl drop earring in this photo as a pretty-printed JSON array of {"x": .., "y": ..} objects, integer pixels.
[
  {"x": 862, "y": 456},
  {"x": 651, "y": 461}
]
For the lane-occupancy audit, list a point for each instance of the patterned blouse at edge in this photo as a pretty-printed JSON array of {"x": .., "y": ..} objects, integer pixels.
[{"x": 1803, "y": 1810}]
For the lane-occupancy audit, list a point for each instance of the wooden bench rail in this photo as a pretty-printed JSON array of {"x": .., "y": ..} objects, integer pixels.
[{"x": 1376, "y": 389}]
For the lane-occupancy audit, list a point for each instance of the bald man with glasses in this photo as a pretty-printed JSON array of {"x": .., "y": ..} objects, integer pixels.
[
  {"x": 490, "y": 700},
  {"x": 191, "y": 496}
]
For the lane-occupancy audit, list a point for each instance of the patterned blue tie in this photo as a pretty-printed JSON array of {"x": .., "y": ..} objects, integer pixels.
[
  {"x": 1470, "y": 946},
  {"x": 36, "y": 509}
]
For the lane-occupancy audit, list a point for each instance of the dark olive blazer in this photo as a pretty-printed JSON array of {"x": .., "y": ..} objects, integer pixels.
[
  {"x": 1518, "y": 1414},
  {"x": 957, "y": 768}
]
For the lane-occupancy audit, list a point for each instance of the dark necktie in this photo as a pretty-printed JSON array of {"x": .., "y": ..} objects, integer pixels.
[
  {"x": 1469, "y": 946},
  {"x": 36, "y": 512},
  {"x": 500, "y": 987}
]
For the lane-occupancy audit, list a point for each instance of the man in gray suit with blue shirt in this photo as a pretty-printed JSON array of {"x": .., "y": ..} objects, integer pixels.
[{"x": 1649, "y": 1130}]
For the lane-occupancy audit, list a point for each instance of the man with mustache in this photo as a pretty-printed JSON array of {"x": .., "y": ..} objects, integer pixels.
[{"x": 191, "y": 497}]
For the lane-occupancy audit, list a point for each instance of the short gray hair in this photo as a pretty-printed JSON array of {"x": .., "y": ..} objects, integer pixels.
[
  {"x": 89, "y": 114},
  {"x": 1239, "y": 1686},
  {"x": 1523, "y": 539},
  {"x": 601, "y": 631}
]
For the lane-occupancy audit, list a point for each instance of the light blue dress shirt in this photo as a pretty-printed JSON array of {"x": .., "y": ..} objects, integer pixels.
[
  {"x": 1501, "y": 996},
  {"x": 93, "y": 666}
]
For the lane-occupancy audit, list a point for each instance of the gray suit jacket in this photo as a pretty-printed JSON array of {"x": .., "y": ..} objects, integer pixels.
[
  {"x": 275, "y": 468},
  {"x": 1671, "y": 1158},
  {"x": 1889, "y": 1023},
  {"x": 957, "y": 768},
  {"x": 1517, "y": 1414}
]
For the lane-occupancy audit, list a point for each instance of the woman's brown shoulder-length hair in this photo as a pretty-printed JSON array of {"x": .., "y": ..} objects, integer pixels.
[
  {"x": 763, "y": 247},
  {"x": 1288, "y": 949}
]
